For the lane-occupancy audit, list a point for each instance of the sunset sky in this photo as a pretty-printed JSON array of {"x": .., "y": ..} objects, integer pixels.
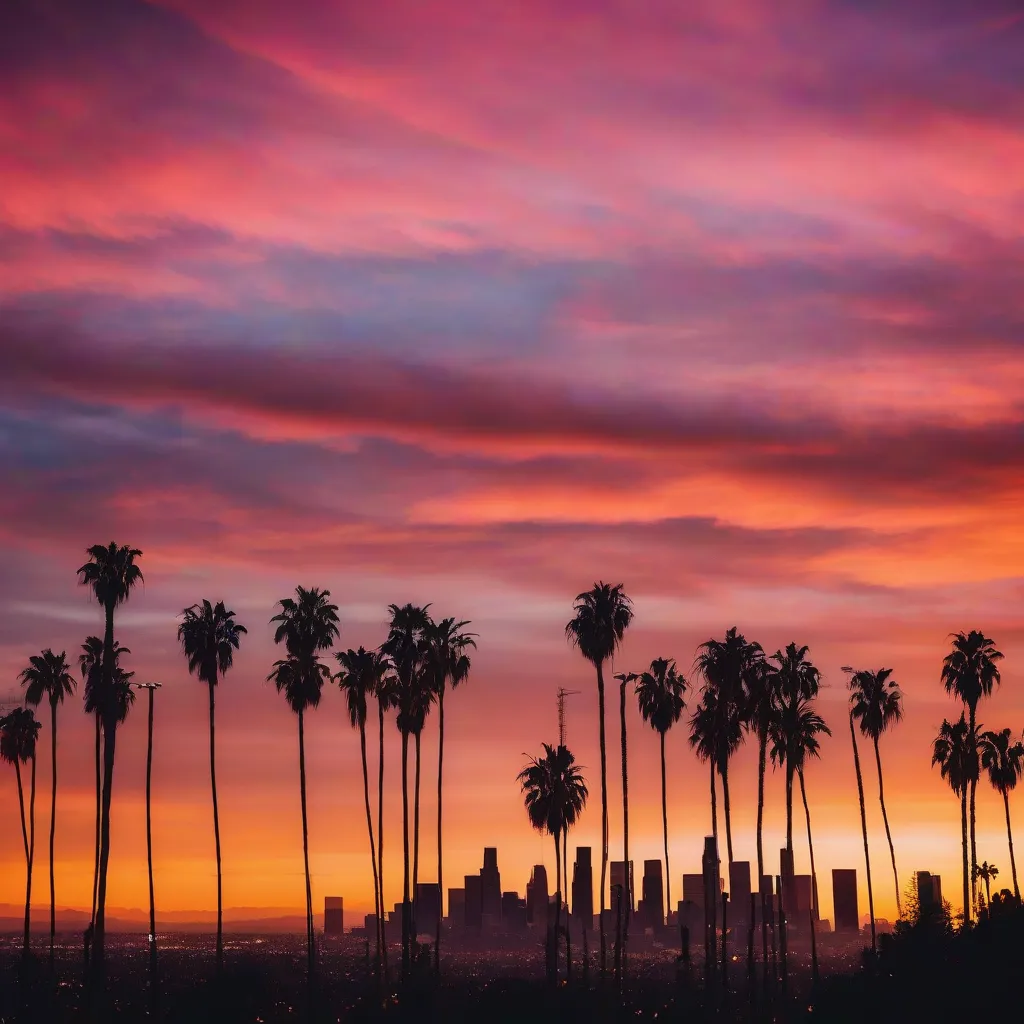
[{"x": 478, "y": 303}]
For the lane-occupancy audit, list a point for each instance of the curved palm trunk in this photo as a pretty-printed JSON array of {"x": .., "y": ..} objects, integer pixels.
[
  {"x": 725, "y": 806},
  {"x": 888, "y": 834},
  {"x": 565, "y": 871},
  {"x": 988, "y": 891},
  {"x": 1009, "y": 838},
  {"x": 714, "y": 805},
  {"x": 762, "y": 748},
  {"x": 109, "y": 745},
  {"x": 664, "y": 827},
  {"x": 558, "y": 907},
  {"x": 440, "y": 862},
  {"x": 604, "y": 815},
  {"x": 53, "y": 819},
  {"x": 369, "y": 824},
  {"x": 149, "y": 830},
  {"x": 380, "y": 846},
  {"x": 305, "y": 849},
  {"x": 216, "y": 833},
  {"x": 99, "y": 804},
  {"x": 406, "y": 911},
  {"x": 974, "y": 786},
  {"x": 413, "y": 930},
  {"x": 810, "y": 846},
  {"x": 28, "y": 855},
  {"x": 627, "y": 889},
  {"x": 864, "y": 830},
  {"x": 966, "y": 866},
  {"x": 789, "y": 806}
]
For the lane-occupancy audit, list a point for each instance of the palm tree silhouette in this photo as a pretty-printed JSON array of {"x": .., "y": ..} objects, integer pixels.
[
  {"x": 730, "y": 668},
  {"x": 660, "y": 695},
  {"x": 406, "y": 648},
  {"x": 48, "y": 676},
  {"x": 1004, "y": 762},
  {"x": 111, "y": 574},
  {"x": 627, "y": 894},
  {"x": 969, "y": 672},
  {"x": 360, "y": 677},
  {"x": 794, "y": 737},
  {"x": 600, "y": 619},
  {"x": 555, "y": 794},
  {"x": 447, "y": 662},
  {"x": 387, "y": 696},
  {"x": 151, "y": 688},
  {"x": 91, "y": 664},
  {"x": 19, "y": 732},
  {"x": 795, "y": 682},
  {"x": 209, "y": 637},
  {"x": 987, "y": 873},
  {"x": 877, "y": 703},
  {"x": 308, "y": 626},
  {"x": 955, "y": 751},
  {"x": 863, "y": 824}
]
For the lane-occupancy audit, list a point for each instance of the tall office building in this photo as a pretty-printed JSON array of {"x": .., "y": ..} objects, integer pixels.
[
  {"x": 427, "y": 907},
  {"x": 334, "y": 915},
  {"x": 929, "y": 893},
  {"x": 693, "y": 890},
  {"x": 537, "y": 898},
  {"x": 474, "y": 901},
  {"x": 710, "y": 865},
  {"x": 651, "y": 910},
  {"x": 800, "y": 900},
  {"x": 583, "y": 890},
  {"x": 490, "y": 886},
  {"x": 739, "y": 892},
  {"x": 620, "y": 884},
  {"x": 513, "y": 912},
  {"x": 456, "y": 908},
  {"x": 844, "y": 899}
]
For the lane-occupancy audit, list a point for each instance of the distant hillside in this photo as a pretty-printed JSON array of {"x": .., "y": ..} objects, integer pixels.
[{"x": 249, "y": 920}]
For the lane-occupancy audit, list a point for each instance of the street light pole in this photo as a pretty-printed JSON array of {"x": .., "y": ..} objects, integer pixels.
[{"x": 152, "y": 688}]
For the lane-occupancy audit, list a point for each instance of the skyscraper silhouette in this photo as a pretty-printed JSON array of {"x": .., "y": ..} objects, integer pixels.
[
  {"x": 583, "y": 890},
  {"x": 490, "y": 886},
  {"x": 652, "y": 911},
  {"x": 844, "y": 899}
]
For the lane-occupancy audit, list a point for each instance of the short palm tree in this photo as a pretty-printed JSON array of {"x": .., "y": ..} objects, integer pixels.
[
  {"x": 307, "y": 625},
  {"x": 955, "y": 753},
  {"x": 660, "y": 693},
  {"x": 19, "y": 732},
  {"x": 1004, "y": 762},
  {"x": 730, "y": 667},
  {"x": 877, "y": 703},
  {"x": 49, "y": 677},
  {"x": 600, "y": 619},
  {"x": 111, "y": 573},
  {"x": 863, "y": 829},
  {"x": 209, "y": 637},
  {"x": 555, "y": 794},
  {"x": 987, "y": 873},
  {"x": 970, "y": 672},
  {"x": 794, "y": 737},
  {"x": 361, "y": 675},
  {"x": 406, "y": 648},
  {"x": 447, "y": 662}
]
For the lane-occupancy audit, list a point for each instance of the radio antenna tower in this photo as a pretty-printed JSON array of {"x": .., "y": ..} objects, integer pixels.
[{"x": 562, "y": 694}]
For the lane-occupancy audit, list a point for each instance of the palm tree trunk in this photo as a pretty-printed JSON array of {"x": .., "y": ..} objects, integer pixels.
[
  {"x": 565, "y": 872},
  {"x": 762, "y": 748},
  {"x": 810, "y": 846},
  {"x": 53, "y": 819},
  {"x": 305, "y": 849},
  {"x": 604, "y": 814},
  {"x": 558, "y": 904},
  {"x": 216, "y": 833},
  {"x": 966, "y": 865},
  {"x": 149, "y": 830},
  {"x": 664, "y": 827},
  {"x": 406, "y": 911},
  {"x": 725, "y": 806},
  {"x": 380, "y": 844},
  {"x": 988, "y": 891},
  {"x": 109, "y": 744},
  {"x": 888, "y": 834},
  {"x": 974, "y": 786},
  {"x": 864, "y": 830},
  {"x": 28, "y": 856},
  {"x": 789, "y": 806},
  {"x": 714, "y": 805},
  {"x": 440, "y": 838},
  {"x": 413, "y": 930},
  {"x": 627, "y": 889},
  {"x": 99, "y": 804},
  {"x": 1009, "y": 838},
  {"x": 369, "y": 824}
]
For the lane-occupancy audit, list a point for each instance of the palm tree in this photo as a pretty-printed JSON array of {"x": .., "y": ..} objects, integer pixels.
[
  {"x": 152, "y": 688},
  {"x": 730, "y": 667},
  {"x": 386, "y": 700},
  {"x": 863, "y": 826},
  {"x": 360, "y": 677},
  {"x": 447, "y": 662},
  {"x": 626, "y": 899},
  {"x": 794, "y": 737},
  {"x": 48, "y": 675},
  {"x": 209, "y": 637},
  {"x": 761, "y": 703},
  {"x": 308, "y": 626},
  {"x": 987, "y": 873},
  {"x": 969, "y": 672},
  {"x": 954, "y": 752},
  {"x": 1004, "y": 762},
  {"x": 555, "y": 795},
  {"x": 600, "y": 619},
  {"x": 660, "y": 694},
  {"x": 91, "y": 663},
  {"x": 111, "y": 574},
  {"x": 406, "y": 648},
  {"x": 877, "y": 703},
  {"x": 19, "y": 731}
]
